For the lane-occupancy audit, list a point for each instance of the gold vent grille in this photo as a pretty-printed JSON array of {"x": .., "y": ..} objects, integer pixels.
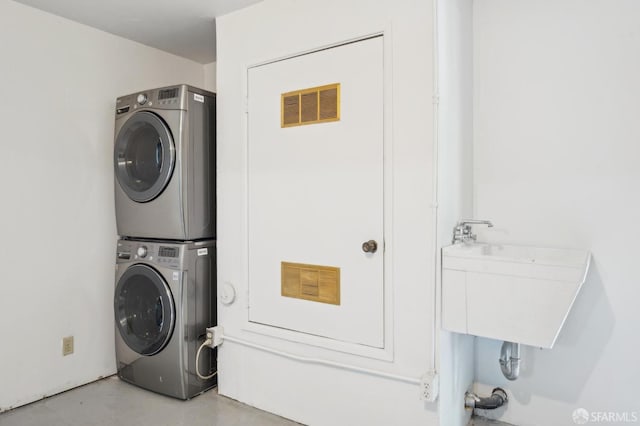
[
  {"x": 311, "y": 282},
  {"x": 310, "y": 106}
]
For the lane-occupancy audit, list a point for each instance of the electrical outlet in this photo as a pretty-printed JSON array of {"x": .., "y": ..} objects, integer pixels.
[
  {"x": 215, "y": 335},
  {"x": 67, "y": 345},
  {"x": 429, "y": 386}
]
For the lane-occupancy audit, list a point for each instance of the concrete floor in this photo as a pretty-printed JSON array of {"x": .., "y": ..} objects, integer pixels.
[
  {"x": 481, "y": 421},
  {"x": 111, "y": 402}
]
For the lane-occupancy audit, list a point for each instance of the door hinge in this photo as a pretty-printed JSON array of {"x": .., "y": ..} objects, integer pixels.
[{"x": 436, "y": 99}]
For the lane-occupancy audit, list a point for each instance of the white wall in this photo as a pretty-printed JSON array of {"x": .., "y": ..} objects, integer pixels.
[
  {"x": 210, "y": 77},
  {"x": 59, "y": 84},
  {"x": 312, "y": 393},
  {"x": 455, "y": 166},
  {"x": 556, "y": 163}
]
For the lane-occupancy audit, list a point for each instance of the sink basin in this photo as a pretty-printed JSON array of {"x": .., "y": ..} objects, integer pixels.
[{"x": 507, "y": 292}]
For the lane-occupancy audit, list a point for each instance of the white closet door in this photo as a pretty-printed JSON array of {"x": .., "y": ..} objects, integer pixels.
[{"x": 315, "y": 194}]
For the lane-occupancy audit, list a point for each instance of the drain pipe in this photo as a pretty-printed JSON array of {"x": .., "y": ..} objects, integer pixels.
[
  {"x": 497, "y": 399},
  {"x": 510, "y": 360}
]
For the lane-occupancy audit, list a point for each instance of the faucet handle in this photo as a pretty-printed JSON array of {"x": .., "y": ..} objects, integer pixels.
[
  {"x": 462, "y": 233},
  {"x": 475, "y": 222}
]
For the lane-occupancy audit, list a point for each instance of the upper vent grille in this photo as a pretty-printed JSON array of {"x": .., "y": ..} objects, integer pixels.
[{"x": 310, "y": 106}]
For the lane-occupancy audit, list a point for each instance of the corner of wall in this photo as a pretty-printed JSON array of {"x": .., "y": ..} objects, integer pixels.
[
  {"x": 210, "y": 80},
  {"x": 455, "y": 184}
]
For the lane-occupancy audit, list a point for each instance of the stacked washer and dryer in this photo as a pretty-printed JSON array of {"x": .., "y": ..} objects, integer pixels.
[{"x": 165, "y": 199}]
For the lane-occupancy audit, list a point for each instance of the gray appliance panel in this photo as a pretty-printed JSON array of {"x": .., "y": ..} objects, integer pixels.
[
  {"x": 186, "y": 208},
  {"x": 190, "y": 274}
]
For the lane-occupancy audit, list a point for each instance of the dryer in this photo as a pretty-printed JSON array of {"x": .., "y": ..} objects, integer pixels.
[
  {"x": 165, "y": 298},
  {"x": 164, "y": 163}
]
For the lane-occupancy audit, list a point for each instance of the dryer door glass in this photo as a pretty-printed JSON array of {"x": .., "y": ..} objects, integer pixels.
[
  {"x": 144, "y": 156},
  {"x": 144, "y": 309}
]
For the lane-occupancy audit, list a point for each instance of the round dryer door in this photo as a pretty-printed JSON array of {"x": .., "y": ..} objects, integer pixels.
[
  {"x": 144, "y": 156},
  {"x": 144, "y": 309}
]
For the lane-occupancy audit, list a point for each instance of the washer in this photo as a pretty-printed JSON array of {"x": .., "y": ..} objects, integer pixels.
[
  {"x": 165, "y": 298},
  {"x": 164, "y": 160}
]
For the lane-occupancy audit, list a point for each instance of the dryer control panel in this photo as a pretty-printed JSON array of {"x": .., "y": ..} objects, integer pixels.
[{"x": 171, "y": 97}]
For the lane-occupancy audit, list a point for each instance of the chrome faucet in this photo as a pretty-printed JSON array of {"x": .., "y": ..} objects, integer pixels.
[{"x": 462, "y": 232}]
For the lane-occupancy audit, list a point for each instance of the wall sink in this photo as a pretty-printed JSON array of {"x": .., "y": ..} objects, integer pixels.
[{"x": 513, "y": 293}]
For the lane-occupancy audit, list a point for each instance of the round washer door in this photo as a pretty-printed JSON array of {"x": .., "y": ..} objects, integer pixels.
[
  {"x": 144, "y": 309},
  {"x": 144, "y": 156}
]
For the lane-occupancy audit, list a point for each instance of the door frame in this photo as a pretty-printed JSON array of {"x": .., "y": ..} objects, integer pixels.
[{"x": 385, "y": 353}]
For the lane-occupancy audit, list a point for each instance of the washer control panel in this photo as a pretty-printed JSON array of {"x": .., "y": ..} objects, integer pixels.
[
  {"x": 142, "y": 251},
  {"x": 168, "y": 256},
  {"x": 161, "y": 254}
]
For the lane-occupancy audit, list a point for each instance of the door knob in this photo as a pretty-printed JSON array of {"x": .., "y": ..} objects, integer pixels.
[{"x": 369, "y": 246}]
